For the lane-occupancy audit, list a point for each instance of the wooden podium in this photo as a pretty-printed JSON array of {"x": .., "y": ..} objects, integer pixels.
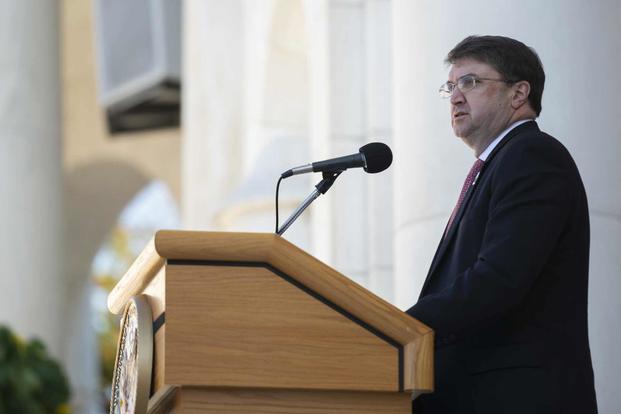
[{"x": 249, "y": 323}]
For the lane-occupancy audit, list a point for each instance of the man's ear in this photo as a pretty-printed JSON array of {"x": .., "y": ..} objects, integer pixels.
[{"x": 521, "y": 90}]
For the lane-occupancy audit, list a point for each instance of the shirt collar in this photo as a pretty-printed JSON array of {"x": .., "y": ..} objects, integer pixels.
[{"x": 495, "y": 142}]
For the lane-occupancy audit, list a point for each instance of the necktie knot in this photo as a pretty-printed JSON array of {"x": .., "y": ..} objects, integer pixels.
[{"x": 474, "y": 171}]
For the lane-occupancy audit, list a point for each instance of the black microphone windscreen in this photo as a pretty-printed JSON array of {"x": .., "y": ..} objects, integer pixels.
[{"x": 377, "y": 155}]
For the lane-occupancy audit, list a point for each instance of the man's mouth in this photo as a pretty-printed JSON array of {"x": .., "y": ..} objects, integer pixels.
[{"x": 458, "y": 115}]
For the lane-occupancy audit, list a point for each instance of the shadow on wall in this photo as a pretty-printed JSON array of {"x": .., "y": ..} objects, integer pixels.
[{"x": 95, "y": 196}]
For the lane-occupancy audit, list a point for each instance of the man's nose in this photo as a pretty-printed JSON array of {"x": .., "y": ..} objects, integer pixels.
[{"x": 457, "y": 96}]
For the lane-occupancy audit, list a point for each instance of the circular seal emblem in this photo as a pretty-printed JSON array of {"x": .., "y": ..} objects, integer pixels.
[{"x": 131, "y": 381}]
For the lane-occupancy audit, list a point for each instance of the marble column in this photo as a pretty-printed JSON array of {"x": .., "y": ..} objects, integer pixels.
[
  {"x": 32, "y": 285},
  {"x": 213, "y": 73},
  {"x": 275, "y": 121},
  {"x": 378, "y": 81},
  {"x": 350, "y": 64}
]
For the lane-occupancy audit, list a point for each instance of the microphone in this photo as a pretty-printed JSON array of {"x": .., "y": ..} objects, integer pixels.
[{"x": 373, "y": 157}]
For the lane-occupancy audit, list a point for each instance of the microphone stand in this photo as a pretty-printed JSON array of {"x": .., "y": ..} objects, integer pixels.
[{"x": 322, "y": 186}]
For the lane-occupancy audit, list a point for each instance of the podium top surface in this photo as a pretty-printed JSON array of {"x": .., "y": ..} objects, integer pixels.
[{"x": 267, "y": 249}]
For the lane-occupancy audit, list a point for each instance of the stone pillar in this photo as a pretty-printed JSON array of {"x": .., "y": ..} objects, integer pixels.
[
  {"x": 275, "y": 121},
  {"x": 350, "y": 54},
  {"x": 579, "y": 108},
  {"x": 338, "y": 114},
  {"x": 245, "y": 117},
  {"x": 31, "y": 250},
  {"x": 213, "y": 63},
  {"x": 346, "y": 133},
  {"x": 378, "y": 80}
]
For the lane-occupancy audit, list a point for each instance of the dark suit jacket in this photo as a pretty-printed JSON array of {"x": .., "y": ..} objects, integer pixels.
[{"x": 507, "y": 290}]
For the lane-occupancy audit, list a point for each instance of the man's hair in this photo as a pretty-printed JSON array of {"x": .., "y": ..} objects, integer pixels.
[{"x": 512, "y": 59}]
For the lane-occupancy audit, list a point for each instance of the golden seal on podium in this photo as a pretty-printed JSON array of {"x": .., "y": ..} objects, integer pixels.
[{"x": 131, "y": 381}]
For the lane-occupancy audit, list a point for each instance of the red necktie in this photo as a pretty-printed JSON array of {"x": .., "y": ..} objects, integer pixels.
[{"x": 476, "y": 168}]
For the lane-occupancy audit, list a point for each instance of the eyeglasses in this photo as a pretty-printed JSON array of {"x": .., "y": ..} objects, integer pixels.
[{"x": 465, "y": 84}]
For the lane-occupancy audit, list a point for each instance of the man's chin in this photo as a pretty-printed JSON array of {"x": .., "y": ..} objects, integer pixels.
[
  {"x": 459, "y": 133},
  {"x": 460, "y": 128}
]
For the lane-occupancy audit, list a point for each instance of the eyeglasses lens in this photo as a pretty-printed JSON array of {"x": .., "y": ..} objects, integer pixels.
[
  {"x": 466, "y": 83},
  {"x": 446, "y": 90}
]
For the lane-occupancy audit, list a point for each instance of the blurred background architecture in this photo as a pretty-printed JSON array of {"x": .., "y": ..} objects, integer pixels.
[{"x": 122, "y": 117}]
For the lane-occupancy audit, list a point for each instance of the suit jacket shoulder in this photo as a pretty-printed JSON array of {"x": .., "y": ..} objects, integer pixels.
[{"x": 524, "y": 200}]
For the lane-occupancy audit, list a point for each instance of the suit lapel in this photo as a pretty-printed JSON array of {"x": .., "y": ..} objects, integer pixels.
[{"x": 446, "y": 240}]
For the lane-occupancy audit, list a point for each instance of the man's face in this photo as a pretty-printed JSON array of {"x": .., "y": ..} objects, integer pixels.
[{"x": 480, "y": 114}]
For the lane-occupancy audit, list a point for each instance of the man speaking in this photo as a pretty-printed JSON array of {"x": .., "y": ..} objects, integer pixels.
[{"x": 507, "y": 289}]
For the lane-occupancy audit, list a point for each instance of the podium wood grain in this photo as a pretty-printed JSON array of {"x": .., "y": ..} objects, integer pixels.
[
  {"x": 252, "y": 314},
  {"x": 247, "y": 327},
  {"x": 242, "y": 401}
]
